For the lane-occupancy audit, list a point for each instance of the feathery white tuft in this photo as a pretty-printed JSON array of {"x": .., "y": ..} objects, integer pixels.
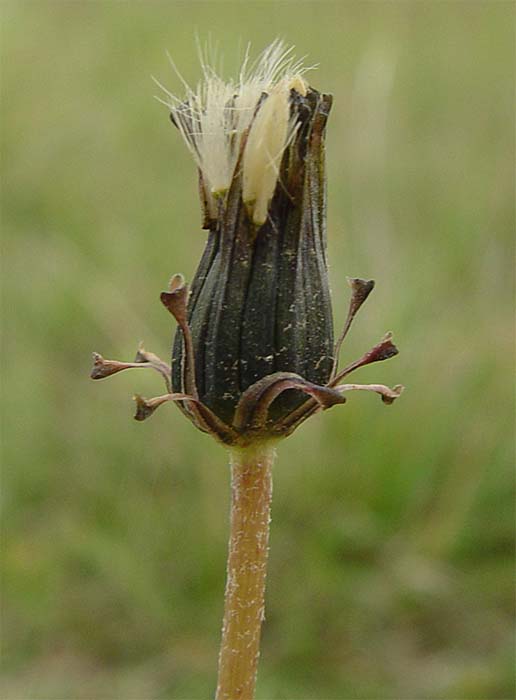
[{"x": 213, "y": 118}]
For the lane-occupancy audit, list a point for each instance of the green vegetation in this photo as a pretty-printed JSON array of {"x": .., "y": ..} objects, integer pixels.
[{"x": 392, "y": 535}]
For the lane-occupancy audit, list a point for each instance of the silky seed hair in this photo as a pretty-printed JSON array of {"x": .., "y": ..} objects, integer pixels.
[{"x": 213, "y": 118}]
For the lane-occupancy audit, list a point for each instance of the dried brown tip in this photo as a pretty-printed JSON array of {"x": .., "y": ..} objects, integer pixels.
[
  {"x": 103, "y": 368},
  {"x": 146, "y": 407},
  {"x": 360, "y": 290},
  {"x": 143, "y": 408},
  {"x": 175, "y": 298},
  {"x": 384, "y": 350}
]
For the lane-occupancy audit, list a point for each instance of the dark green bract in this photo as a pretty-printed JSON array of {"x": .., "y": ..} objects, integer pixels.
[{"x": 260, "y": 300}]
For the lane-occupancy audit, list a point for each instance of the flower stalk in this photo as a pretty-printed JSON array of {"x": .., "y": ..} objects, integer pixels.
[{"x": 251, "y": 492}]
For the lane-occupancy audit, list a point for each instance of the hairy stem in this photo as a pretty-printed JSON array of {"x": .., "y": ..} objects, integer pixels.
[{"x": 251, "y": 491}]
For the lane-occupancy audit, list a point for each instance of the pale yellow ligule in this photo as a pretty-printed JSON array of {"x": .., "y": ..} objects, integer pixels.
[{"x": 262, "y": 155}]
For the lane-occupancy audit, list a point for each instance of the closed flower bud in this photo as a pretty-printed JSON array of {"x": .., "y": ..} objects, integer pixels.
[
  {"x": 254, "y": 352},
  {"x": 260, "y": 301}
]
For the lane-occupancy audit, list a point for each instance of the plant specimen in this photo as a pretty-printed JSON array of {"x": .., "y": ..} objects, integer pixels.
[{"x": 254, "y": 353}]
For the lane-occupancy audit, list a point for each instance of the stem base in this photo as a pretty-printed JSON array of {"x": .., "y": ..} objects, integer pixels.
[{"x": 251, "y": 492}]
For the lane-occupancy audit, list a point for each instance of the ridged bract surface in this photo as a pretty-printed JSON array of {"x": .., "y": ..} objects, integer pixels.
[{"x": 260, "y": 301}]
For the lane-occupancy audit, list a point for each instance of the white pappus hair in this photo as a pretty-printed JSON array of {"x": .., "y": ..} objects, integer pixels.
[{"x": 213, "y": 118}]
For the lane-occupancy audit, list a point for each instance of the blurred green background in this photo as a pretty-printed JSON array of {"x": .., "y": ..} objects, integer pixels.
[{"x": 392, "y": 536}]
